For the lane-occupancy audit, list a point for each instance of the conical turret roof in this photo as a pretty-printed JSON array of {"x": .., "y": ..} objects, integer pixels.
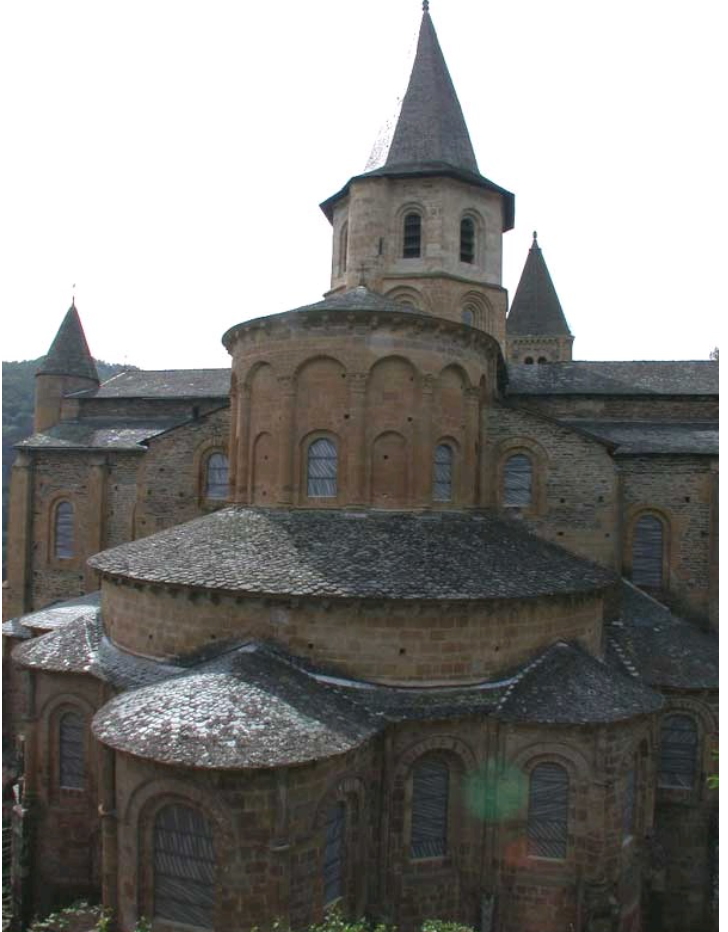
[
  {"x": 431, "y": 127},
  {"x": 69, "y": 353},
  {"x": 536, "y": 309}
]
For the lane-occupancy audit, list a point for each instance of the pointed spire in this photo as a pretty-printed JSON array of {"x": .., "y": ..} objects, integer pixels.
[
  {"x": 536, "y": 309},
  {"x": 69, "y": 353},
  {"x": 431, "y": 127}
]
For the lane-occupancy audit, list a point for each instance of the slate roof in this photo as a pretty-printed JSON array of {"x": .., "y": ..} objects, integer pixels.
[
  {"x": 245, "y": 709},
  {"x": 658, "y": 648},
  {"x": 359, "y": 299},
  {"x": 640, "y": 437},
  {"x": 679, "y": 377},
  {"x": 567, "y": 686},
  {"x": 536, "y": 308},
  {"x": 97, "y": 434},
  {"x": 165, "y": 383},
  {"x": 69, "y": 353},
  {"x": 430, "y": 126},
  {"x": 53, "y": 616},
  {"x": 348, "y": 554}
]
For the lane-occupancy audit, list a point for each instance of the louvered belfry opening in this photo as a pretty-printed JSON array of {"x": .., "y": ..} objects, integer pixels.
[
  {"x": 63, "y": 532},
  {"x": 322, "y": 469},
  {"x": 184, "y": 867},
  {"x": 430, "y": 805},
  {"x": 647, "y": 552},
  {"x": 467, "y": 240},
  {"x": 334, "y": 853},
  {"x": 217, "y": 477},
  {"x": 518, "y": 481},
  {"x": 548, "y": 811},
  {"x": 412, "y": 244},
  {"x": 442, "y": 490},
  {"x": 72, "y": 757},
  {"x": 678, "y": 752}
]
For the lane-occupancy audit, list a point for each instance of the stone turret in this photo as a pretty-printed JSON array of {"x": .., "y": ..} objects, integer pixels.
[
  {"x": 422, "y": 225},
  {"x": 68, "y": 367},
  {"x": 536, "y": 327}
]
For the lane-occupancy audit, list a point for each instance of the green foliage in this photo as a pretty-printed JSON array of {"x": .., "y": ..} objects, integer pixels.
[
  {"x": 18, "y": 403},
  {"x": 713, "y": 782},
  {"x": 79, "y": 917},
  {"x": 437, "y": 925}
]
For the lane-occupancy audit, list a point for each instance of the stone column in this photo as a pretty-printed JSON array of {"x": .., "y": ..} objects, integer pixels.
[
  {"x": 355, "y": 493},
  {"x": 424, "y": 450},
  {"x": 469, "y": 484},
  {"x": 109, "y": 834},
  {"x": 241, "y": 433},
  {"x": 20, "y": 539},
  {"x": 95, "y": 517},
  {"x": 287, "y": 398},
  {"x": 484, "y": 493},
  {"x": 233, "y": 439}
]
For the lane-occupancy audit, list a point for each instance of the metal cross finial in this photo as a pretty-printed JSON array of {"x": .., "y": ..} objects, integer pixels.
[
  {"x": 73, "y": 295},
  {"x": 425, "y": 6},
  {"x": 535, "y": 236}
]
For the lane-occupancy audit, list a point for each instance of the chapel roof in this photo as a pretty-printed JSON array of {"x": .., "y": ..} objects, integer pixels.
[
  {"x": 658, "y": 648},
  {"x": 69, "y": 353},
  {"x": 568, "y": 686},
  {"x": 665, "y": 377},
  {"x": 97, "y": 433},
  {"x": 359, "y": 299},
  {"x": 631, "y": 438},
  {"x": 353, "y": 554},
  {"x": 164, "y": 383},
  {"x": 56, "y": 615},
  {"x": 536, "y": 309}
]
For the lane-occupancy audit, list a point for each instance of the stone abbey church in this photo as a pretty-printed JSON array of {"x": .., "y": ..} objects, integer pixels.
[{"x": 406, "y": 612}]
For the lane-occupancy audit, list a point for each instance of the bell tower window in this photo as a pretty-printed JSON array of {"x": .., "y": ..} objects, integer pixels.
[
  {"x": 467, "y": 240},
  {"x": 412, "y": 241}
]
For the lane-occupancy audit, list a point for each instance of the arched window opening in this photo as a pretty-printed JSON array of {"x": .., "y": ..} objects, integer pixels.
[
  {"x": 541, "y": 360},
  {"x": 334, "y": 853},
  {"x": 628, "y": 808},
  {"x": 343, "y": 247},
  {"x": 647, "y": 552},
  {"x": 467, "y": 240},
  {"x": 528, "y": 360},
  {"x": 322, "y": 469},
  {"x": 548, "y": 811},
  {"x": 216, "y": 477},
  {"x": 468, "y": 315},
  {"x": 63, "y": 532},
  {"x": 518, "y": 481},
  {"x": 412, "y": 242},
  {"x": 678, "y": 752},
  {"x": 71, "y": 752},
  {"x": 430, "y": 804},
  {"x": 184, "y": 867},
  {"x": 442, "y": 488}
]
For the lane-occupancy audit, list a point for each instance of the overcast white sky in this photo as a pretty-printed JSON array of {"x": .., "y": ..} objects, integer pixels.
[{"x": 168, "y": 158}]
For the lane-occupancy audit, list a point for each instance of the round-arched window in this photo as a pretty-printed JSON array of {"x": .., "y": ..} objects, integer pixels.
[
  {"x": 442, "y": 485},
  {"x": 412, "y": 239},
  {"x": 184, "y": 867},
  {"x": 467, "y": 240},
  {"x": 322, "y": 469},
  {"x": 648, "y": 545},
  {"x": 63, "y": 532},
  {"x": 518, "y": 481},
  {"x": 216, "y": 476}
]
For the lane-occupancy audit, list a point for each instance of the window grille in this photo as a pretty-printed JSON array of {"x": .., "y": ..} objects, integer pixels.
[
  {"x": 647, "y": 551},
  {"x": 528, "y": 360},
  {"x": 334, "y": 853},
  {"x": 63, "y": 543},
  {"x": 468, "y": 316},
  {"x": 628, "y": 810},
  {"x": 442, "y": 491},
  {"x": 518, "y": 481},
  {"x": 678, "y": 752},
  {"x": 72, "y": 758},
  {"x": 548, "y": 811},
  {"x": 184, "y": 867},
  {"x": 322, "y": 469},
  {"x": 430, "y": 803},
  {"x": 412, "y": 244},
  {"x": 467, "y": 240},
  {"x": 216, "y": 483}
]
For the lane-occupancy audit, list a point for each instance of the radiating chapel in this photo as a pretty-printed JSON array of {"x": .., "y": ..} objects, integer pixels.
[{"x": 406, "y": 613}]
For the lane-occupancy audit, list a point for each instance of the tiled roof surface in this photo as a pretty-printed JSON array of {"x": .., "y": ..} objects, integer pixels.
[
  {"x": 166, "y": 383},
  {"x": 359, "y": 299},
  {"x": 659, "y": 648},
  {"x": 347, "y": 554},
  {"x": 635, "y": 437},
  {"x": 246, "y": 709},
  {"x": 69, "y": 353},
  {"x": 679, "y": 377},
  {"x": 536, "y": 308},
  {"x": 430, "y": 126},
  {"x": 97, "y": 434},
  {"x": 567, "y": 686},
  {"x": 58, "y": 614}
]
